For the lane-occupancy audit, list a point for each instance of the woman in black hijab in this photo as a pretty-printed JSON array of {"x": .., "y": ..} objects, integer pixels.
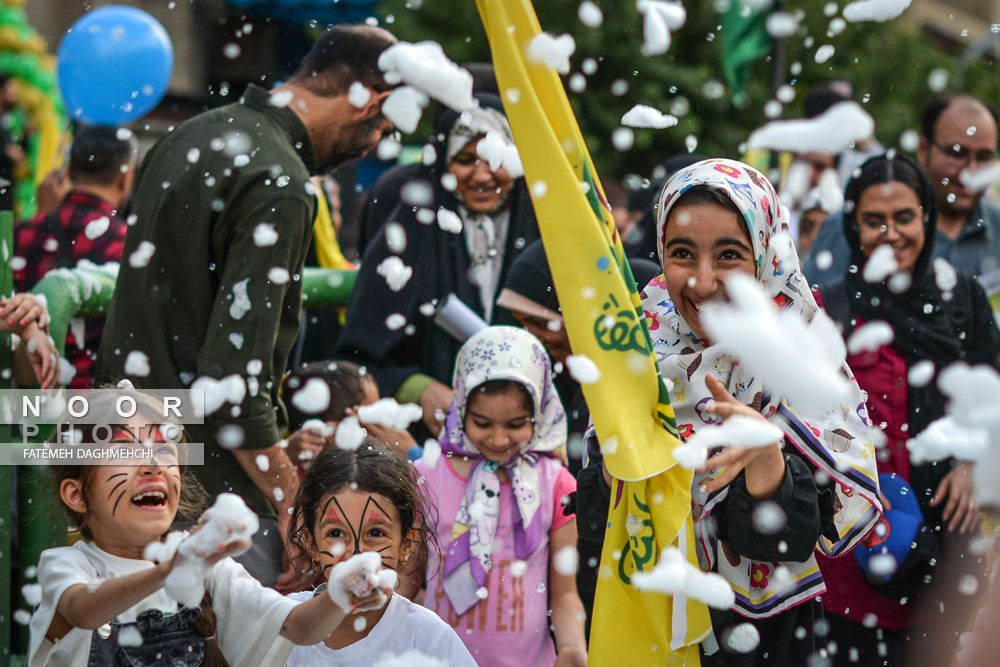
[
  {"x": 459, "y": 227},
  {"x": 937, "y": 316}
]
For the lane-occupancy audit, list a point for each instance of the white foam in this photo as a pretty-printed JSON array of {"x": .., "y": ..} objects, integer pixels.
[
  {"x": 869, "y": 337},
  {"x": 404, "y": 106},
  {"x": 673, "y": 575},
  {"x": 231, "y": 389},
  {"x": 140, "y": 256},
  {"x": 982, "y": 178},
  {"x": 642, "y": 115},
  {"x": 879, "y": 11},
  {"x": 313, "y": 397},
  {"x": 943, "y": 438},
  {"x": 742, "y": 638},
  {"x": 350, "y": 434},
  {"x": 736, "y": 431},
  {"x": 449, "y": 221},
  {"x": 32, "y": 594},
  {"x": 921, "y": 373},
  {"x": 881, "y": 263},
  {"x": 358, "y": 95},
  {"x": 358, "y": 576},
  {"x": 97, "y": 227},
  {"x": 432, "y": 452},
  {"x": 659, "y": 20},
  {"x": 395, "y": 237},
  {"x": 264, "y": 235},
  {"x": 137, "y": 364},
  {"x": 945, "y": 276},
  {"x": 590, "y": 14},
  {"x": 567, "y": 561},
  {"x": 499, "y": 152},
  {"x": 395, "y": 272},
  {"x": 387, "y": 412},
  {"x": 278, "y": 275},
  {"x": 793, "y": 358},
  {"x": 228, "y": 520},
  {"x": 831, "y": 132},
  {"x": 824, "y": 53},
  {"x": 582, "y": 369},
  {"x": 781, "y": 25},
  {"x": 552, "y": 51},
  {"x": 425, "y": 67},
  {"x": 241, "y": 300}
]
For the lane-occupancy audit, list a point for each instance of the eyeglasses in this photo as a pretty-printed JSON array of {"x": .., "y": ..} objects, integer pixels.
[{"x": 965, "y": 155}]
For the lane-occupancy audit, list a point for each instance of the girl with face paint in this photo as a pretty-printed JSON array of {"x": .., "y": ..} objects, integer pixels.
[
  {"x": 103, "y": 603},
  {"x": 359, "y": 502}
]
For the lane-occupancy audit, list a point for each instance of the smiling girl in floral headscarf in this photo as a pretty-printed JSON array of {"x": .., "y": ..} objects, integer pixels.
[
  {"x": 759, "y": 513},
  {"x": 500, "y": 491}
]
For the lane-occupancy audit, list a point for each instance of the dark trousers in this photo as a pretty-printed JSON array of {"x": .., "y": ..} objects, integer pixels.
[
  {"x": 794, "y": 637},
  {"x": 858, "y": 645}
]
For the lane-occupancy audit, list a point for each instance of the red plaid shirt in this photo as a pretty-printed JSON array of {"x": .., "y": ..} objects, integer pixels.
[{"x": 60, "y": 239}]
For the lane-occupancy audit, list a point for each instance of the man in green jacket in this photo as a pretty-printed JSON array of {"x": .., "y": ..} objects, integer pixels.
[{"x": 210, "y": 282}]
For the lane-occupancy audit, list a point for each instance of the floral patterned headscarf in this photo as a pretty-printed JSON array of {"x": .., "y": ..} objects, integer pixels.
[
  {"x": 500, "y": 353},
  {"x": 836, "y": 441}
]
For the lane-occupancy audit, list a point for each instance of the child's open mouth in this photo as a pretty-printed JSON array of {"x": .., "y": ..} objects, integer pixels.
[{"x": 150, "y": 499}]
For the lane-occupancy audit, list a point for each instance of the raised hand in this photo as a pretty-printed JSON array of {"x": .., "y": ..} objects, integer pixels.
[{"x": 764, "y": 466}]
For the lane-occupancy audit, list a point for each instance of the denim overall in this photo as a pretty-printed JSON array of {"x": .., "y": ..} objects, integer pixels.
[{"x": 167, "y": 641}]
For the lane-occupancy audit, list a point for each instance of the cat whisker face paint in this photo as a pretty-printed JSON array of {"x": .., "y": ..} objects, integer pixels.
[{"x": 355, "y": 521}]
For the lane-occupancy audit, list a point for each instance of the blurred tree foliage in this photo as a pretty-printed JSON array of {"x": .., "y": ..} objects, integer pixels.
[{"x": 888, "y": 65}]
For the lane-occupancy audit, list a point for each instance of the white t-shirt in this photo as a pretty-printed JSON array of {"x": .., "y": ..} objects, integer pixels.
[
  {"x": 405, "y": 626},
  {"x": 249, "y": 615}
]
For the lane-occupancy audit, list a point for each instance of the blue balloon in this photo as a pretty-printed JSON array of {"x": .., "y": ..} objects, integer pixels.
[{"x": 114, "y": 65}]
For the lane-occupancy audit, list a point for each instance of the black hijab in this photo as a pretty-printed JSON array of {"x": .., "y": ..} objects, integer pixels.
[
  {"x": 440, "y": 263},
  {"x": 921, "y": 319}
]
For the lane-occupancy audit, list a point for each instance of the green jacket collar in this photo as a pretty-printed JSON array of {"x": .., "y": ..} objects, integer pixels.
[{"x": 257, "y": 98}]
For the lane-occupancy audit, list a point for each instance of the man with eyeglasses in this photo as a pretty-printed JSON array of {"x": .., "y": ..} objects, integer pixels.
[{"x": 958, "y": 134}]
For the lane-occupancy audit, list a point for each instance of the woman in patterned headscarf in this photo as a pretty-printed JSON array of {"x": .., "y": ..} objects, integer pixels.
[
  {"x": 459, "y": 227},
  {"x": 759, "y": 512}
]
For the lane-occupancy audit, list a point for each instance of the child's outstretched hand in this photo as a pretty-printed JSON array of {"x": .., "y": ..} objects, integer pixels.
[
  {"x": 398, "y": 440},
  {"x": 764, "y": 466},
  {"x": 359, "y": 583},
  {"x": 164, "y": 553},
  {"x": 224, "y": 550},
  {"x": 306, "y": 443}
]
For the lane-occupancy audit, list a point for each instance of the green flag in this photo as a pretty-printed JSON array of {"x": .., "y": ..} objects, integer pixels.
[{"x": 744, "y": 42}]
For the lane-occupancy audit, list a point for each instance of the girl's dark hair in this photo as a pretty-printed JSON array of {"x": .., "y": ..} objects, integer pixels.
[
  {"x": 347, "y": 389},
  {"x": 374, "y": 468},
  {"x": 705, "y": 194},
  {"x": 493, "y": 387},
  {"x": 879, "y": 170}
]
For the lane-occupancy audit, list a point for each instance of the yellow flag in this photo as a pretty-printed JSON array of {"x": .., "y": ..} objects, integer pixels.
[
  {"x": 651, "y": 508},
  {"x": 328, "y": 253}
]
